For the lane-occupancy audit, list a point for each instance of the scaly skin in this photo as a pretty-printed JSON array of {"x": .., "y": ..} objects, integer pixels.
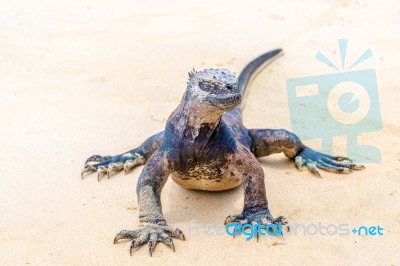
[{"x": 205, "y": 146}]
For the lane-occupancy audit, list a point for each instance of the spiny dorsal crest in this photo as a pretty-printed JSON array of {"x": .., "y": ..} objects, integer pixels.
[
  {"x": 192, "y": 73},
  {"x": 211, "y": 74}
]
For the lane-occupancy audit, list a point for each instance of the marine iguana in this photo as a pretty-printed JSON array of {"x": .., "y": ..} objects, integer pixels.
[{"x": 205, "y": 146}]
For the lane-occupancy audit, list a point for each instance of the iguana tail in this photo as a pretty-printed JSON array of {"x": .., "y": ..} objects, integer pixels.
[{"x": 252, "y": 68}]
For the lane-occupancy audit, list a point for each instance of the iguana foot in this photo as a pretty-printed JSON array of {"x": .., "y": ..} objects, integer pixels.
[
  {"x": 254, "y": 216},
  {"x": 150, "y": 234},
  {"x": 108, "y": 164},
  {"x": 312, "y": 160}
]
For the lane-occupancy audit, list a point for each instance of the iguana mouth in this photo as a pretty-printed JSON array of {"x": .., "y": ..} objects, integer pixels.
[
  {"x": 224, "y": 102},
  {"x": 234, "y": 100}
]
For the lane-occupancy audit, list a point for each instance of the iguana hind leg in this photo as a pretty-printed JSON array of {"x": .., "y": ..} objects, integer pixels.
[
  {"x": 268, "y": 141},
  {"x": 128, "y": 160}
]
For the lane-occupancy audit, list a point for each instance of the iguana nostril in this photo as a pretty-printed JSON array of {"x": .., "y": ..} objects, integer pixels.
[{"x": 229, "y": 87}]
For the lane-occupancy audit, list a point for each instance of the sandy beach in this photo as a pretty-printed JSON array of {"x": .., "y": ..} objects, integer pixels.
[{"x": 99, "y": 77}]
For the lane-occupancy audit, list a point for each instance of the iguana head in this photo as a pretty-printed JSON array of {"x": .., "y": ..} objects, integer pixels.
[{"x": 216, "y": 88}]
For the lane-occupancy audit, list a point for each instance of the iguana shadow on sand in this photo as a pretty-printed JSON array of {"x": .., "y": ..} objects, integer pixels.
[{"x": 205, "y": 146}]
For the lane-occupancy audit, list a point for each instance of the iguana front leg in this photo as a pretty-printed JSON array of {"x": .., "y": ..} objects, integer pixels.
[
  {"x": 255, "y": 209},
  {"x": 153, "y": 227},
  {"x": 268, "y": 141},
  {"x": 127, "y": 160}
]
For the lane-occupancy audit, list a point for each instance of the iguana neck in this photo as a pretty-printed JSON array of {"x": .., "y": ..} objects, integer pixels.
[{"x": 190, "y": 116}]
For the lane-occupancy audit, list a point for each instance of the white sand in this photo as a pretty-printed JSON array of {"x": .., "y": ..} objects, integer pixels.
[{"x": 79, "y": 78}]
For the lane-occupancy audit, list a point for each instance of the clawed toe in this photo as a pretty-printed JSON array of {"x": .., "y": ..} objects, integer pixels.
[
  {"x": 150, "y": 234},
  {"x": 313, "y": 160},
  {"x": 280, "y": 219},
  {"x": 258, "y": 220},
  {"x": 129, "y": 164},
  {"x": 101, "y": 170},
  {"x": 87, "y": 168},
  {"x": 114, "y": 167},
  {"x": 106, "y": 165},
  {"x": 97, "y": 158},
  {"x": 341, "y": 159}
]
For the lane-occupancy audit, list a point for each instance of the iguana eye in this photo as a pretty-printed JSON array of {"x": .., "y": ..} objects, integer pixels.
[{"x": 205, "y": 86}]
